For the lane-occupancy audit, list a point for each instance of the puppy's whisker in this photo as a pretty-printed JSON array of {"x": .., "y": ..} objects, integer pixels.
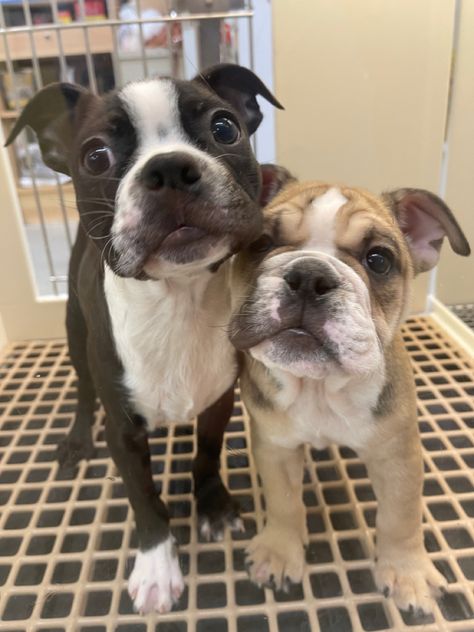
[
  {"x": 102, "y": 257},
  {"x": 98, "y": 203},
  {"x": 111, "y": 178},
  {"x": 94, "y": 227},
  {"x": 98, "y": 237},
  {"x": 104, "y": 213},
  {"x": 97, "y": 222},
  {"x": 231, "y": 155}
]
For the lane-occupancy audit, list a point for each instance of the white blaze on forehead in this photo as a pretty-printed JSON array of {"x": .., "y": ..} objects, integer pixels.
[
  {"x": 153, "y": 108},
  {"x": 321, "y": 220}
]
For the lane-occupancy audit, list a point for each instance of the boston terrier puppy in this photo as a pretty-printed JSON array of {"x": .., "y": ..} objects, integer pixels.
[
  {"x": 167, "y": 189},
  {"x": 318, "y": 301}
]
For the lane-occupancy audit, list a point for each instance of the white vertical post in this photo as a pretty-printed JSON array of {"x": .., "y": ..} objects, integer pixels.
[
  {"x": 243, "y": 42},
  {"x": 262, "y": 43},
  {"x": 190, "y": 32}
]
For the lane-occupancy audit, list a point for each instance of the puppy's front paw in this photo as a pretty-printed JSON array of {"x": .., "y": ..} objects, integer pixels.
[
  {"x": 412, "y": 580},
  {"x": 275, "y": 557},
  {"x": 156, "y": 582},
  {"x": 71, "y": 450},
  {"x": 217, "y": 510}
]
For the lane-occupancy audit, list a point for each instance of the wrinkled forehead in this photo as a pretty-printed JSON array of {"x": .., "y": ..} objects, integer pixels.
[{"x": 329, "y": 218}]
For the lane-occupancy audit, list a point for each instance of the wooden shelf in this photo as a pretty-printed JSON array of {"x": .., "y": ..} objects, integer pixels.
[
  {"x": 73, "y": 40},
  {"x": 46, "y": 188},
  {"x": 7, "y": 115},
  {"x": 50, "y": 203},
  {"x": 46, "y": 42}
]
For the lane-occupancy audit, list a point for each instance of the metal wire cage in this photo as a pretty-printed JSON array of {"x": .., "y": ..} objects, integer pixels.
[{"x": 101, "y": 44}]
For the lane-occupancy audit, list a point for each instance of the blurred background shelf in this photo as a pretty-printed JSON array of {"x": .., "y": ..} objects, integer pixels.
[
  {"x": 46, "y": 43},
  {"x": 50, "y": 203}
]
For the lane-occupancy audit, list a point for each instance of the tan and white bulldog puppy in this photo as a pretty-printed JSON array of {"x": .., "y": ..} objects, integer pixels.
[{"x": 318, "y": 303}]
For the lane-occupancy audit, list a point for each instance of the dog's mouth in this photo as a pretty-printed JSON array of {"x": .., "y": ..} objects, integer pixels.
[
  {"x": 185, "y": 243},
  {"x": 299, "y": 340},
  {"x": 298, "y": 331},
  {"x": 297, "y": 350},
  {"x": 292, "y": 326},
  {"x": 183, "y": 233},
  {"x": 182, "y": 236}
]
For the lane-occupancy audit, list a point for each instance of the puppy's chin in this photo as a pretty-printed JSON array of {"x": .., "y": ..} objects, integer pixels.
[{"x": 195, "y": 258}]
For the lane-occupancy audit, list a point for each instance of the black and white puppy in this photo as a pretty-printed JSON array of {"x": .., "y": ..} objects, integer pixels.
[{"x": 167, "y": 189}]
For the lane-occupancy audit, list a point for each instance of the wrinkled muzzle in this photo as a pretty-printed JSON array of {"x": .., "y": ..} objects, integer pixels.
[{"x": 309, "y": 314}]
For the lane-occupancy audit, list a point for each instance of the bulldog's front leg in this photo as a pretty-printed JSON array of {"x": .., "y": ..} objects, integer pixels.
[
  {"x": 403, "y": 568},
  {"x": 276, "y": 554}
]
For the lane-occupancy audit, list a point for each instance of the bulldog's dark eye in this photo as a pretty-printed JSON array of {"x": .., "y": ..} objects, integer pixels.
[
  {"x": 224, "y": 130},
  {"x": 97, "y": 158},
  {"x": 379, "y": 260},
  {"x": 263, "y": 245}
]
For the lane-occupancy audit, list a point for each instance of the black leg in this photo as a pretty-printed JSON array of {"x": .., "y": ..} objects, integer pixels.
[
  {"x": 128, "y": 444},
  {"x": 156, "y": 582},
  {"x": 78, "y": 444},
  {"x": 215, "y": 506}
]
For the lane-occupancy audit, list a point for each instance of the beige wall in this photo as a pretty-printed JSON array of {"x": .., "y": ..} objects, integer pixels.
[
  {"x": 3, "y": 334},
  {"x": 365, "y": 87},
  {"x": 455, "y": 280}
]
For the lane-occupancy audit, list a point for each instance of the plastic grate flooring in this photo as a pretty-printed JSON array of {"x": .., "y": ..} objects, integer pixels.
[
  {"x": 465, "y": 312},
  {"x": 67, "y": 543}
]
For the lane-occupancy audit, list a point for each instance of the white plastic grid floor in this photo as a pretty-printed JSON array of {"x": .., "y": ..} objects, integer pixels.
[{"x": 67, "y": 542}]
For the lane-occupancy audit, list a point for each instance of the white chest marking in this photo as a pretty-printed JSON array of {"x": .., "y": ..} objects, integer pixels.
[
  {"x": 176, "y": 356},
  {"x": 321, "y": 221},
  {"x": 336, "y": 409}
]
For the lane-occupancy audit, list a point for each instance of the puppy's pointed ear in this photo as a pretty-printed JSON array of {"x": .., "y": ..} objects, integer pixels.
[
  {"x": 239, "y": 86},
  {"x": 51, "y": 113},
  {"x": 425, "y": 220},
  {"x": 274, "y": 179}
]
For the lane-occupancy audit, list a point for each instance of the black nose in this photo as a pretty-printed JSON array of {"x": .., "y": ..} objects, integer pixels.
[
  {"x": 174, "y": 170},
  {"x": 311, "y": 278}
]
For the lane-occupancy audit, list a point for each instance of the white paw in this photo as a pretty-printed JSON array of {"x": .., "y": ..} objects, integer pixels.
[
  {"x": 412, "y": 581},
  {"x": 156, "y": 582},
  {"x": 276, "y": 557},
  {"x": 215, "y": 533}
]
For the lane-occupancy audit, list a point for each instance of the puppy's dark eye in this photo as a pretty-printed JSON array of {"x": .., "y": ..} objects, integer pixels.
[
  {"x": 263, "y": 245},
  {"x": 97, "y": 157},
  {"x": 379, "y": 260},
  {"x": 224, "y": 130}
]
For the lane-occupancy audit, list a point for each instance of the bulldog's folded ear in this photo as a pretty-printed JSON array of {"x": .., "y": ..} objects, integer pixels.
[
  {"x": 239, "y": 86},
  {"x": 51, "y": 114},
  {"x": 274, "y": 179},
  {"x": 425, "y": 220}
]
